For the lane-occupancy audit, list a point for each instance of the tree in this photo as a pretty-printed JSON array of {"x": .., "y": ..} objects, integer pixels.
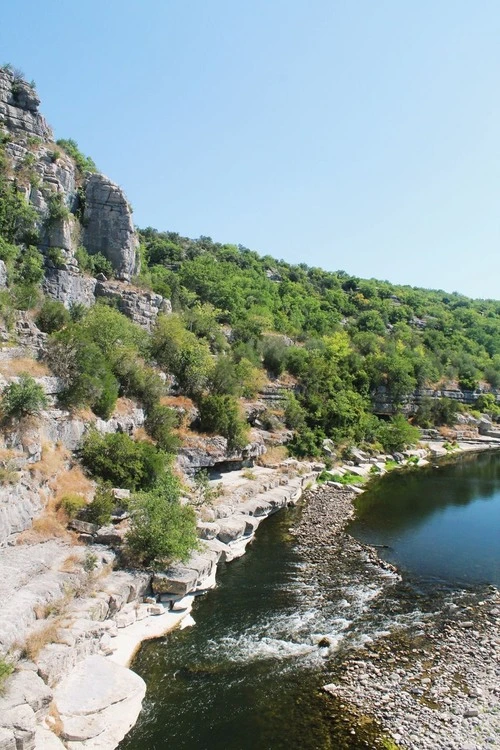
[
  {"x": 161, "y": 529},
  {"x": 221, "y": 415},
  {"x": 124, "y": 462},
  {"x": 22, "y": 399},
  {"x": 397, "y": 434}
]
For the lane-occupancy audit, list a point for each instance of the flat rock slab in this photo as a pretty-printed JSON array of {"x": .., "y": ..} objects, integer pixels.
[{"x": 98, "y": 702}]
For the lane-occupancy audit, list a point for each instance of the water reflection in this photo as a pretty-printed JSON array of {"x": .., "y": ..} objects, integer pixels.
[{"x": 442, "y": 522}]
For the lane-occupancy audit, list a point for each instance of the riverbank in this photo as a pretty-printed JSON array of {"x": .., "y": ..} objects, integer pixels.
[{"x": 432, "y": 684}]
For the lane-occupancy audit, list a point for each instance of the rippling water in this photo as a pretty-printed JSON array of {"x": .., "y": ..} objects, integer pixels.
[{"x": 247, "y": 675}]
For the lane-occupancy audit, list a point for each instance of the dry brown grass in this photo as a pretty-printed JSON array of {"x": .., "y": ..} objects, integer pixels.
[
  {"x": 275, "y": 455},
  {"x": 53, "y": 461},
  {"x": 124, "y": 407},
  {"x": 38, "y": 639},
  {"x": 71, "y": 564},
  {"x": 54, "y": 608},
  {"x": 54, "y": 721},
  {"x": 12, "y": 367},
  {"x": 181, "y": 402},
  {"x": 72, "y": 481},
  {"x": 45, "y": 527},
  {"x": 142, "y": 436}
]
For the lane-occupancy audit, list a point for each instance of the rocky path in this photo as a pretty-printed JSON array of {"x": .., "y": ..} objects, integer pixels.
[{"x": 431, "y": 683}]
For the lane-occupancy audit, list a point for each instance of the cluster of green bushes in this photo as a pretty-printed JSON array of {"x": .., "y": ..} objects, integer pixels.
[{"x": 161, "y": 528}]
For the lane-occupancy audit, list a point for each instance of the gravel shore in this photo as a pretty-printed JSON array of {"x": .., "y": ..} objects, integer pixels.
[{"x": 432, "y": 684}]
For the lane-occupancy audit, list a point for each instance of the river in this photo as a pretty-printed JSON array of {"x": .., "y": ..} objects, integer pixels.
[{"x": 247, "y": 676}]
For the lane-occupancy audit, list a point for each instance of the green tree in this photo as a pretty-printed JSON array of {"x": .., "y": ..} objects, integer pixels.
[
  {"x": 221, "y": 415},
  {"x": 22, "y": 399},
  {"x": 161, "y": 529}
]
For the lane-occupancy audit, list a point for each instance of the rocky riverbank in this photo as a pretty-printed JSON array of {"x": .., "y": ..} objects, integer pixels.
[{"x": 434, "y": 683}]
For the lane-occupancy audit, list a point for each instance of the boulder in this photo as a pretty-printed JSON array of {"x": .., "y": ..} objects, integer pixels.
[
  {"x": 231, "y": 529},
  {"x": 176, "y": 580},
  {"x": 98, "y": 699}
]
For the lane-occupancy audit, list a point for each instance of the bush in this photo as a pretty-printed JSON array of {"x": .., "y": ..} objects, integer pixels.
[
  {"x": 397, "y": 434},
  {"x": 182, "y": 354},
  {"x": 94, "y": 264},
  {"x": 57, "y": 209},
  {"x": 53, "y": 316},
  {"x": 161, "y": 529},
  {"x": 100, "y": 509},
  {"x": 22, "y": 399},
  {"x": 221, "y": 415},
  {"x": 72, "y": 504},
  {"x": 6, "y": 669},
  {"x": 123, "y": 462},
  {"x": 85, "y": 371},
  {"x": 274, "y": 353},
  {"x": 83, "y": 163},
  {"x": 160, "y": 422}
]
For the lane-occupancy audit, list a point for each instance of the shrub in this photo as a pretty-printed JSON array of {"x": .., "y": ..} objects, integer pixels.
[
  {"x": 6, "y": 669},
  {"x": 161, "y": 529},
  {"x": 57, "y": 209},
  {"x": 84, "y": 370},
  {"x": 25, "y": 398},
  {"x": 52, "y": 317},
  {"x": 55, "y": 255},
  {"x": 221, "y": 415},
  {"x": 123, "y": 462},
  {"x": 83, "y": 163},
  {"x": 397, "y": 434},
  {"x": 72, "y": 504},
  {"x": 274, "y": 353},
  {"x": 94, "y": 264},
  {"x": 100, "y": 509},
  {"x": 182, "y": 354},
  {"x": 160, "y": 422}
]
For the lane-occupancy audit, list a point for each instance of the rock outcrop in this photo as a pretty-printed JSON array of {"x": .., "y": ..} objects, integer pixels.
[
  {"x": 108, "y": 226},
  {"x": 49, "y": 177}
]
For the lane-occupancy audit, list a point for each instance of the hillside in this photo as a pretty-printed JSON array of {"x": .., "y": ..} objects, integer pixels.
[{"x": 160, "y": 397}]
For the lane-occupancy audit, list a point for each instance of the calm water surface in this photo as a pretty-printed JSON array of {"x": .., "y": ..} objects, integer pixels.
[{"x": 246, "y": 677}]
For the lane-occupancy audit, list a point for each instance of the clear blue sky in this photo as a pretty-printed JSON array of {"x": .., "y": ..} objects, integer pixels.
[{"x": 353, "y": 134}]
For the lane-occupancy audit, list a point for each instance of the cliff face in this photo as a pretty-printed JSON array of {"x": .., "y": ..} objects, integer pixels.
[{"x": 75, "y": 207}]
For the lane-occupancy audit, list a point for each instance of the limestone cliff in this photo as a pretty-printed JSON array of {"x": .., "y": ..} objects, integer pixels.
[{"x": 76, "y": 208}]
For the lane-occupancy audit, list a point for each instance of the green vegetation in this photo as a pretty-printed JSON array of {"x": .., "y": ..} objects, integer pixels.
[
  {"x": 94, "y": 264},
  {"x": 6, "y": 669},
  {"x": 73, "y": 504},
  {"x": 83, "y": 163},
  {"x": 52, "y": 316},
  {"x": 221, "y": 415},
  {"x": 100, "y": 509},
  {"x": 161, "y": 529},
  {"x": 22, "y": 399}
]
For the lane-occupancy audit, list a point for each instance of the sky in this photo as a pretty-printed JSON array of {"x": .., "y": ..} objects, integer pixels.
[{"x": 360, "y": 135}]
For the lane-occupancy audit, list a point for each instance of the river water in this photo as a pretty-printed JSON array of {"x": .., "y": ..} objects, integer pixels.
[{"x": 247, "y": 676}]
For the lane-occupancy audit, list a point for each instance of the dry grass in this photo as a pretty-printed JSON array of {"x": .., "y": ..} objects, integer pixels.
[
  {"x": 45, "y": 527},
  {"x": 40, "y": 638},
  {"x": 12, "y": 367},
  {"x": 142, "y": 436},
  {"x": 54, "y": 608},
  {"x": 54, "y": 721},
  {"x": 72, "y": 481},
  {"x": 53, "y": 461},
  {"x": 71, "y": 564},
  {"x": 181, "y": 402},
  {"x": 275, "y": 455},
  {"x": 124, "y": 407}
]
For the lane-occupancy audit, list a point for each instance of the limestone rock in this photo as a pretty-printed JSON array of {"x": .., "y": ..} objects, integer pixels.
[
  {"x": 108, "y": 226},
  {"x": 176, "y": 580},
  {"x": 7, "y": 739},
  {"x": 98, "y": 702},
  {"x": 69, "y": 287},
  {"x": 140, "y": 305},
  {"x": 3, "y": 275},
  {"x": 19, "y": 106}
]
